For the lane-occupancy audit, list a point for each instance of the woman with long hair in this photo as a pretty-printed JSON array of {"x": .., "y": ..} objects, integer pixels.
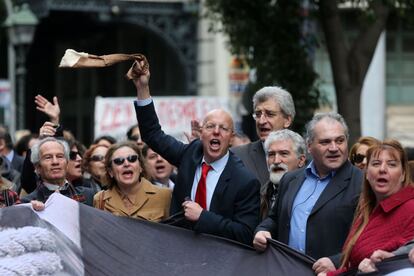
[{"x": 384, "y": 218}]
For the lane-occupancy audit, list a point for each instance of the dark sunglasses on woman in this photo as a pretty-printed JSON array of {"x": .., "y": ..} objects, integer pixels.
[
  {"x": 96, "y": 158},
  {"x": 358, "y": 158},
  {"x": 120, "y": 160},
  {"x": 73, "y": 155}
]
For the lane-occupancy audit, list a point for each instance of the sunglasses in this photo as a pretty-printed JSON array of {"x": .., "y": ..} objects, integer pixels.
[
  {"x": 96, "y": 158},
  {"x": 73, "y": 155},
  {"x": 358, "y": 158},
  {"x": 134, "y": 137},
  {"x": 120, "y": 160}
]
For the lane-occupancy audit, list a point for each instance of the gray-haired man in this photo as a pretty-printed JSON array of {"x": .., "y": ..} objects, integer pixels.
[
  {"x": 316, "y": 204},
  {"x": 50, "y": 157},
  {"x": 273, "y": 110},
  {"x": 285, "y": 151}
]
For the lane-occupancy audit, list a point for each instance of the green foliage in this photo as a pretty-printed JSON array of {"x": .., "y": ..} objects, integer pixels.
[{"x": 269, "y": 34}]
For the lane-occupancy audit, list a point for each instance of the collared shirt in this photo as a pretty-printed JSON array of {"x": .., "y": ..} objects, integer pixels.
[
  {"x": 306, "y": 198},
  {"x": 170, "y": 184},
  {"x": 212, "y": 177},
  {"x": 54, "y": 187},
  {"x": 10, "y": 155}
]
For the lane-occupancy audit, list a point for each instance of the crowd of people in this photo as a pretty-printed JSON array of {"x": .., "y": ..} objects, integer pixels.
[{"x": 348, "y": 210}]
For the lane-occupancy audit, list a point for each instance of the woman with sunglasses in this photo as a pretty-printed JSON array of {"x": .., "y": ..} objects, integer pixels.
[
  {"x": 358, "y": 152},
  {"x": 74, "y": 170},
  {"x": 93, "y": 164},
  {"x": 129, "y": 193}
]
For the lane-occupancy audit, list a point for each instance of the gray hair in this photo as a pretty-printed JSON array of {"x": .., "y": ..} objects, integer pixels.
[
  {"x": 286, "y": 134},
  {"x": 332, "y": 116},
  {"x": 279, "y": 95},
  {"x": 35, "y": 156}
]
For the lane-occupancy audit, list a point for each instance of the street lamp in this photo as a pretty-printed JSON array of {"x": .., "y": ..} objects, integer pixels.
[{"x": 21, "y": 25}]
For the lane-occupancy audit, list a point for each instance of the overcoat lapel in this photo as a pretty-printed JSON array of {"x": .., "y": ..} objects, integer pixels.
[
  {"x": 257, "y": 155},
  {"x": 294, "y": 187},
  {"x": 196, "y": 160},
  {"x": 338, "y": 183},
  {"x": 222, "y": 184}
]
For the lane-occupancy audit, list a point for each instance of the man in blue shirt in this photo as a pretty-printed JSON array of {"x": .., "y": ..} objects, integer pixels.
[{"x": 316, "y": 204}]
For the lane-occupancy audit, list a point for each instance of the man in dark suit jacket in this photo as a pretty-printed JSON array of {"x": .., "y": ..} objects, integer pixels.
[
  {"x": 316, "y": 204},
  {"x": 232, "y": 193},
  {"x": 50, "y": 158},
  {"x": 6, "y": 149},
  {"x": 273, "y": 110}
]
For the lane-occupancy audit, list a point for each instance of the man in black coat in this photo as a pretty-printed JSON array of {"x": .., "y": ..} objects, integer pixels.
[
  {"x": 316, "y": 204},
  {"x": 229, "y": 205},
  {"x": 50, "y": 158},
  {"x": 273, "y": 110}
]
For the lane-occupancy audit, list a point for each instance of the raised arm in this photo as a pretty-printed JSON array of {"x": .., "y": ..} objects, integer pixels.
[
  {"x": 141, "y": 80},
  {"x": 51, "y": 110}
]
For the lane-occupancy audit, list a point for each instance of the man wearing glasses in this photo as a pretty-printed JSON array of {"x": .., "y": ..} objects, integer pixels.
[
  {"x": 273, "y": 110},
  {"x": 217, "y": 194},
  {"x": 315, "y": 205},
  {"x": 50, "y": 158}
]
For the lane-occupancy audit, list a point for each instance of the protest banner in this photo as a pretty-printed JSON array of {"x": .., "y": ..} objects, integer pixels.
[
  {"x": 70, "y": 238},
  {"x": 113, "y": 116}
]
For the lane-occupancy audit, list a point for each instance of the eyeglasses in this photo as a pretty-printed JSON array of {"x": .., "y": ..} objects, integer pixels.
[
  {"x": 211, "y": 126},
  {"x": 135, "y": 138},
  {"x": 267, "y": 113},
  {"x": 73, "y": 155},
  {"x": 96, "y": 158},
  {"x": 120, "y": 160},
  {"x": 358, "y": 158}
]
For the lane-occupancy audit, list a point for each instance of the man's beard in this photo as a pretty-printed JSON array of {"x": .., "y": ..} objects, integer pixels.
[{"x": 275, "y": 173}]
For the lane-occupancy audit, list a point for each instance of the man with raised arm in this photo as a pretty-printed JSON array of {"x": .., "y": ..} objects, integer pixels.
[{"x": 217, "y": 193}]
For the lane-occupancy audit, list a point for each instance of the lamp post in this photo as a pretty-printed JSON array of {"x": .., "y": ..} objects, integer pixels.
[{"x": 21, "y": 25}]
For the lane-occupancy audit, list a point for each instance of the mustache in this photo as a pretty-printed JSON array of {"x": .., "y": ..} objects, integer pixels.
[{"x": 275, "y": 167}]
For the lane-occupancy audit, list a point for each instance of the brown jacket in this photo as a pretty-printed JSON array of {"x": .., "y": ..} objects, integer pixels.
[{"x": 150, "y": 203}]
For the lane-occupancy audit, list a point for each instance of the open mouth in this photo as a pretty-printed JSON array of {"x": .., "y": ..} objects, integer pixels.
[
  {"x": 333, "y": 157},
  {"x": 264, "y": 129},
  {"x": 128, "y": 173},
  {"x": 160, "y": 168},
  {"x": 382, "y": 180},
  {"x": 278, "y": 170},
  {"x": 215, "y": 144}
]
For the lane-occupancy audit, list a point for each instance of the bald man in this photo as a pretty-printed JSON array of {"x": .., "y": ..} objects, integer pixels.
[{"x": 217, "y": 193}]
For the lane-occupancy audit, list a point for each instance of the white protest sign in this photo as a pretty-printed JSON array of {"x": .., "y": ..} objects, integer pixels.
[{"x": 113, "y": 116}]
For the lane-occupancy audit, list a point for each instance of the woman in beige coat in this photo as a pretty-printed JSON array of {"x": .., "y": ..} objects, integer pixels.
[{"x": 129, "y": 193}]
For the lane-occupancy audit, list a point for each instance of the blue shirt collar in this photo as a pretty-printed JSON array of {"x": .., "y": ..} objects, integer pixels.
[
  {"x": 10, "y": 155},
  {"x": 311, "y": 171}
]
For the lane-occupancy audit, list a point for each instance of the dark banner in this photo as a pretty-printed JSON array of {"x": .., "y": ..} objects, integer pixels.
[{"x": 68, "y": 238}]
